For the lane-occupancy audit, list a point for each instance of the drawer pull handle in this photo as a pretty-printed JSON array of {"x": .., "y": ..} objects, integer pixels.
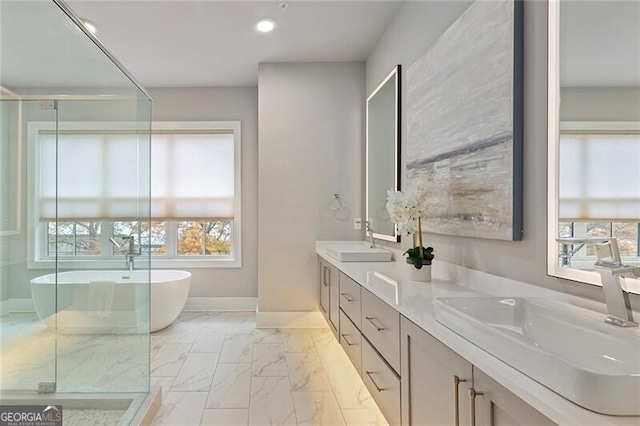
[
  {"x": 472, "y": 397},
  {"x": 456, "y": 400},
  {"x": 378, "y": 388},
  {"x": 370, "y": 319},
  {"x": 346, "y": 296},
  {"x": 344, "y": 336}
]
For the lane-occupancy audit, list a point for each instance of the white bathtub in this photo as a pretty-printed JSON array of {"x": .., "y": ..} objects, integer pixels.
[{"x": 90, "y": 302}]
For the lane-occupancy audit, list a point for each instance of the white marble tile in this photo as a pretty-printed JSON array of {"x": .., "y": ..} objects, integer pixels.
[
  {"x": 237, "y": 348},
  {"x": 234, "y": 321},
  {"x": 231, "y": 386},
  {"x": 196, "y": 373},
  {"x": 299, "y": 340},
  {"x": 169, "y": 358},
  {"x": 124, "y": 377},
  {"x": 269, "y": 335},
  {"x": 348, "y": 387},
  {"x": 226, "y": 417},
  {"x": 179, "y": 333},
  {"x": 364, "y": 417},
  {"x": 271, "y": 401},
  {"x": 329, "y": 349},
  {"x": 209, "y": 340},
  {"x": 197, "y": 319},
  {"x": 181, "y": 408},
  {"x": 164, "y": 382},
  {"x": 306, "y": 372},
  {"x": 317, "y": 408},
  {"x": 269, "y": 360}
]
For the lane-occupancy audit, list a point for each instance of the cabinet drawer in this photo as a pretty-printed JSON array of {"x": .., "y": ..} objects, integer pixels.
[
  {"x": 350, "y": 298},
  {"x": 351, "y": 341},
  {"x": 382, "y": 382},
  {"x": 381, "y": 325}
]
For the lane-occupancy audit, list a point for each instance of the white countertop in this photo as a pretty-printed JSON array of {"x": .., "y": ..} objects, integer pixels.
[{"x": 415, "y": 300}]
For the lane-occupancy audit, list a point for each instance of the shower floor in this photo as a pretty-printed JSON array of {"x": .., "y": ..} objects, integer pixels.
[{"x": 32, "y": 353}]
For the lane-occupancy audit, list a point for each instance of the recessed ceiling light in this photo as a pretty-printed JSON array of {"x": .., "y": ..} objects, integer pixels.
[
  {"x": 89, "y": 25},
  {"x": 265, "y": 25}
]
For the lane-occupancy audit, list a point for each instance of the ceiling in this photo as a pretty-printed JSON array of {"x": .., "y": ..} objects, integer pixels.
[{"x": 213, "y": 43}]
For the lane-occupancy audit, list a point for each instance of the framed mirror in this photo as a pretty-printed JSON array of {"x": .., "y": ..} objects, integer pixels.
[
  {"x": 383, "y": 154},
  {"x": 594, "y": 135}
]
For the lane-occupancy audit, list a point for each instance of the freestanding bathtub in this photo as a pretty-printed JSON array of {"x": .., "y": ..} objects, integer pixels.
[{"x": 89, "y": 302}]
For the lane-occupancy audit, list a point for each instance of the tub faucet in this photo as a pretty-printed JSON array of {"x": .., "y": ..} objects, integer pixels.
[{"x": 128, "y": 248}]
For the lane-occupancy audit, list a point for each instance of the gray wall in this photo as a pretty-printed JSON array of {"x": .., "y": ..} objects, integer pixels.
[
  {"x": 520, "y": 260},
  {"x": 311, "y": 124},
  {"x": 221, "y": 104}
]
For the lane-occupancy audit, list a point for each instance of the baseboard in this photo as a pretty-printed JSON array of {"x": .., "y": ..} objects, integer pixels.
[
  {"x": 312, "y": 319},
  {"x": 221, "y": 304},
  {"x": 24, "y": 304}
]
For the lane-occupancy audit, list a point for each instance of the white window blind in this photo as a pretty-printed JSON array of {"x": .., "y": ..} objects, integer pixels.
[
  {"x": 599, "y": 176},
  {"x": 192, "y": 175},
  {"x": 92, "y": 175},
  {"x": 100, "y": 176}
]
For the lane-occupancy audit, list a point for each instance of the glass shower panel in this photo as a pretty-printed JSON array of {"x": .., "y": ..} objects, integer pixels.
[
  {"x": 102, "y": 175},
  {"x": 27, "y": 329},
  {"x": 74, "y": 160}
]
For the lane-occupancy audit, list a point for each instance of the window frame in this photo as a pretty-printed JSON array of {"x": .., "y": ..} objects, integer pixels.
[{"x": 37, "y": 244}]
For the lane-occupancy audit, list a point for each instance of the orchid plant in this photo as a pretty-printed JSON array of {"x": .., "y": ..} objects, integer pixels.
[{"x": 406, "y": 210}]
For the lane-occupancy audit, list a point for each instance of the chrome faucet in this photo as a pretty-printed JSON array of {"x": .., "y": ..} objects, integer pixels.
[
  {"x": 611, "y": 270},
  {"x": 128, "y": 248},
  {"x": 369, "y": 230}
]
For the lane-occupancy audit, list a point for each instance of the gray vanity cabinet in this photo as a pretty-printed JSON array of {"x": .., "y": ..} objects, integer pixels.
[
  {"x": 324, "y": 290},
  {"x": 329, "y": 295},
  {"x": 495, "y": 405},
  {"x": 435, "y": 380}
]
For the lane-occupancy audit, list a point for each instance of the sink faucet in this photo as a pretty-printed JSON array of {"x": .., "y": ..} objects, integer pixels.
[
  {"x": 128, "y": 248},
  {"x": 611, "y": 270},
  {"x": 369, "y": 230}
]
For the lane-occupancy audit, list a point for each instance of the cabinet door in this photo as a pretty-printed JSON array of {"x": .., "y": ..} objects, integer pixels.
[
  {"x": 324, "y": 289},
  {"x": 334, "y": 298},
  {"x": 496, "y": 405},
  {"x": 435, "y": 380}
]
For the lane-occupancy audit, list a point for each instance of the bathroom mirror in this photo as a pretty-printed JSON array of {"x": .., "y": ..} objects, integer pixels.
[
  {"x": 383, "y": 154},
  {"x": 594, "y": 134}
]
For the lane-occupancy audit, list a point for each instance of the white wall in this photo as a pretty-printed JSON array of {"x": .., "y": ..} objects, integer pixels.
[
  {"x": 520, "y": 260},
  {"x": 210, "y": 104},
  {"x": 311, "y": 124}
]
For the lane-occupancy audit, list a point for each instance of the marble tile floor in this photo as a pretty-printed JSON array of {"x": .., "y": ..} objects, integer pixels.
[
  {"x": 218, "y": 369},
  {"x": 31, "y": 353}
]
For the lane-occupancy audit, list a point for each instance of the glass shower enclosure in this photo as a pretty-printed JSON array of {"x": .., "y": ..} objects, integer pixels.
[{"x": 74, "y": 209}]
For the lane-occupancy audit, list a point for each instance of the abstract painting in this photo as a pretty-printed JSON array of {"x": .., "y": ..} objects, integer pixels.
[{"x": 464, "y": 124}]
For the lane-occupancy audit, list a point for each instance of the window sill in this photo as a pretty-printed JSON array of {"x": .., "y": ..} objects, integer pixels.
[{"x": 79, "y": 264}]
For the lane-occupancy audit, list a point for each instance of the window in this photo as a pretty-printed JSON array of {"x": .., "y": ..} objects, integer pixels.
[
  {"x": 195, "y": 192},
  {"x": 599, "y": 197}
]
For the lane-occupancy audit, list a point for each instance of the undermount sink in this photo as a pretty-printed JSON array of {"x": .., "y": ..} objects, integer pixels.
[
  {"x": 565, "y": 348},
  {"x": 358, "y": 253}
]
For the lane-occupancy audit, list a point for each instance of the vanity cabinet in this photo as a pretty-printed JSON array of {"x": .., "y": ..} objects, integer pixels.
[
  {"x": 495, "y": 405},
  {"x": 351, "y": 341},
  {"x": 350, "y": 299},
  {"x": 439, "y": 387},
  {"x": 382, "y": 382},
  {"x": 435, "y": 380},
  {"x": 381, "y": 326},
  {"x": 329, "y": 295}
]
